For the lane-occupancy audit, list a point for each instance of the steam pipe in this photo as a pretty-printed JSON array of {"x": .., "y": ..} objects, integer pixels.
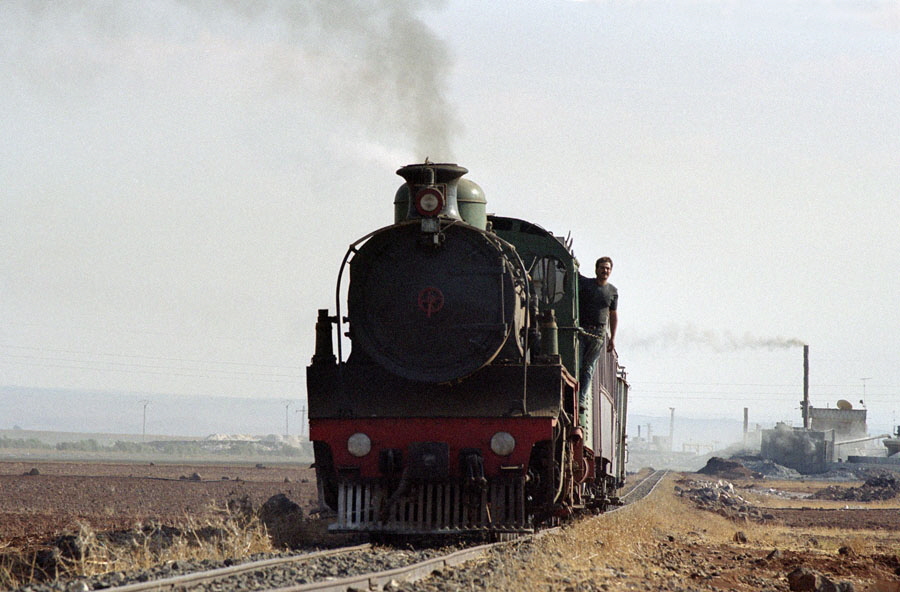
[{"x": 866, "y": 439}]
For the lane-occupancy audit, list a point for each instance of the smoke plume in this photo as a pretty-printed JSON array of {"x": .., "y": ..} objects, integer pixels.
[
  {"x": 396, "y": 68},
  {"x": 719, "y": 341},
  {"x": 377, "y": 65}
]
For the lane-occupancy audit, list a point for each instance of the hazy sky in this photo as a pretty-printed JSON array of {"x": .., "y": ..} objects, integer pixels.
[{"x": 179, "y": 182}]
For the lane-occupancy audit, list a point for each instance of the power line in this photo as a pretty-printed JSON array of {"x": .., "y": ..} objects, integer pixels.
[
  {"x": 745, "y": 396},
  {"x": 817, "y": 390},
  {"x": 166, "y": 366},
  {"x": 131, "y": 365},
  {"x": 717, "y": 384},
  {"x": 139, "y": 356},
  {"x": 160, "y": 371},
  {"x": 129, "y": 331}
]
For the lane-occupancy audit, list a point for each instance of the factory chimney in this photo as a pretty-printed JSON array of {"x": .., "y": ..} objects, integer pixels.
[
  {"x": 672, "y": 428},
  {"x": 746, "y": 424},
  {"x": 804, "y": 405}
]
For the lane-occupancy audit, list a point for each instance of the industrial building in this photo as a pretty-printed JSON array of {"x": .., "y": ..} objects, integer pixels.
[{"x": 828, "y": 435}]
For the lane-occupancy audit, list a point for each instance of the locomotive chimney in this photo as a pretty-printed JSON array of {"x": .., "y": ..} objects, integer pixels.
[
  {"x": 324, "y": 350},
  {"x": 441, "y": 177}
]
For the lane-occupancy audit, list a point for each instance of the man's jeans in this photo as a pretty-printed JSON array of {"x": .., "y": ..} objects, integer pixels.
[{"x": 591, "y": 350}]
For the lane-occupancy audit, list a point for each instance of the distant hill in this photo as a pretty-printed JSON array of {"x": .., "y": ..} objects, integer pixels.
[
  {"x": 101, "y": 412},
  {"x": 703, "y": 435},
  {"x": 62, "y": 410},
  {"x": 52, "y": 438}
]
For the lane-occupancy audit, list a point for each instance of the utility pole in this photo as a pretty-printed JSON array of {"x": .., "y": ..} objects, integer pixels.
[
  {"x": 287, "y": 405},
  {"x": 145, "y": 403},
  {"x": 302, "y": 412}
]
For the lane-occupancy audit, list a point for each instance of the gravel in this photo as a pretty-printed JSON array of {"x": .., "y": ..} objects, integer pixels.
[{"x": 294, "y": 573}]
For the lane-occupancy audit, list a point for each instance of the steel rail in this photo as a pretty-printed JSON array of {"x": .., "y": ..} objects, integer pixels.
[
  {"x": 375, "y": 580},
  {"x": 655, "y": 477},
  {"x": 409, "y": 573},
  {"x": 417, "y": 571},
  {"x": 223, "y": 572}
]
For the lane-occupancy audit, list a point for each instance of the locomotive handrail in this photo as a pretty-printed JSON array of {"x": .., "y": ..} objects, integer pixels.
[
  {"x": 513, "y": 252},
  {"x": 352, "y": 249},
  {"x": 505, "y": 247}
]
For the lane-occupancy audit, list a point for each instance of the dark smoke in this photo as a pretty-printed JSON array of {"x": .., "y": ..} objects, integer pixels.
[
  {"x": 397, "y": 68},
  {"x": 377, "y": 63},
  {"x": 719, "y": 341}
]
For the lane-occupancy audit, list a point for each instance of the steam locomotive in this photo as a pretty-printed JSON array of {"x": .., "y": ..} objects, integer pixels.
[{"x": 455, "y": 410}]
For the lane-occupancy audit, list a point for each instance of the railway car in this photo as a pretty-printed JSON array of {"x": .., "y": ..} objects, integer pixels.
[{"x": 454, "y": 410}]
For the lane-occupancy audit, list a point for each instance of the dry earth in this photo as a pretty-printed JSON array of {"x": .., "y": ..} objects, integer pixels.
[
  {"x": 750, "y": 537},
  {"x": 741, "y": 541},
  {"x": 62, "y": 496}
]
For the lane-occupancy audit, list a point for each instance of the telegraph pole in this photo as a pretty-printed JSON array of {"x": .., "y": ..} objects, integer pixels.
[
  {"x": 145, "y": 403},
  {"x": 302, "y": 412},
  {"x": 287, "y": 405}
]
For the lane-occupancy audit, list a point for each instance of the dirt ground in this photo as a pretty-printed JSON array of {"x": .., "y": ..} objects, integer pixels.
[
  {"x": 752, "y": 536},
  {"x": 857, "y": 545},
  {"x": 42, "y": 500},
  {"x": 721, "y": 541},
  {"x": 759, "y": 535}
]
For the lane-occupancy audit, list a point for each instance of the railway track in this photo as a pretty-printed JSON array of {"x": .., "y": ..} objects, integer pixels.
[
  {"x": 642, "y": 489},
  {"x": 361, "y": 567}
]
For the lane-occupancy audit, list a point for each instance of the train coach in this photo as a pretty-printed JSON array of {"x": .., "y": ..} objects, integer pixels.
[{"x": 455, "y": 408}]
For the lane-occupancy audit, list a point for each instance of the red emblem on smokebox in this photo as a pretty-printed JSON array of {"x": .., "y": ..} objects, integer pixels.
[{"x": 431, "y": 300}]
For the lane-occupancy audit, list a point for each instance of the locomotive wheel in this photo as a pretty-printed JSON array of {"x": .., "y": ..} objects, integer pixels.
[{"x": 542, "y": 480}]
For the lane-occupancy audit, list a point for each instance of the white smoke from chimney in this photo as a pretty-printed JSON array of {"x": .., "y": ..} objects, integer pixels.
[{"x": 719, "y": 341}]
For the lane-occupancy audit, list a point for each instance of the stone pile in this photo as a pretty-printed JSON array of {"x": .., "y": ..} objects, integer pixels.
[
  {"x": 769, "y": 469},
  {"x": 720, "y": 497},
  {"x": 728, "y": 469},
  {"x": 879, "y": 487}
]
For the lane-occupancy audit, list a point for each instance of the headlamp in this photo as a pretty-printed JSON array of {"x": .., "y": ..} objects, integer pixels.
[
  {"x": 359, "y": 444},
  {"x": 429, "y": 202},
  {"x": 502, "y": 443}
]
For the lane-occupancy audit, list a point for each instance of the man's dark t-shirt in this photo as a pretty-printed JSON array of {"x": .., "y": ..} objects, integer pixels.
[{"x": 595, "y": 302}]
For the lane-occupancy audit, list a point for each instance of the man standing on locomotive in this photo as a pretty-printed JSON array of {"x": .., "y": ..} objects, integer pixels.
[{"x": 597, "y": 304}]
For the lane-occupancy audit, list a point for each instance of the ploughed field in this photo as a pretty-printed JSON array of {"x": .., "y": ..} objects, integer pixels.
[{"x": 40, "y": 501}]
